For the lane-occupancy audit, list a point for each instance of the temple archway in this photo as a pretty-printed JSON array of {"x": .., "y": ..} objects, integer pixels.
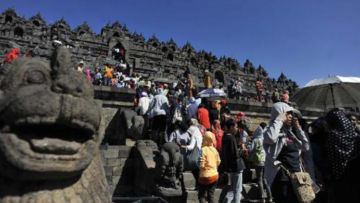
[
  {"x": 18, "y": 32},
  {"x": 173, "y": 48},
  {"x": 116, "y": 34},
  {"x": 36, "y": 23},
  {"x": 155, "y": 45},
  {"x": 193, "y": 61},
  {"x": 118, "y": 52},
  {"x": 170, "y": 57},
  {"x": 219, "y": 76}
]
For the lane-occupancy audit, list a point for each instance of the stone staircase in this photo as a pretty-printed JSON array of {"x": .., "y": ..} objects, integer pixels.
[
  {"x": 250, "y": 191},
  {"x": 130, "y": 173}
]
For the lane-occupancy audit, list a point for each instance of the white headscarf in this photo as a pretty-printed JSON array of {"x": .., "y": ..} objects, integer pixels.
[{"x": 279, "y": 108}]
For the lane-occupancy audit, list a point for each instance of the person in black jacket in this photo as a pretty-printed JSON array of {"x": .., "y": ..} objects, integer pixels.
[{"x": 231, "y": 162}]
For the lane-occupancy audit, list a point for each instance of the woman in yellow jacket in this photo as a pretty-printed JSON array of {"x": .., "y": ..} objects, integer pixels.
[{"x": 209, "y": 162}]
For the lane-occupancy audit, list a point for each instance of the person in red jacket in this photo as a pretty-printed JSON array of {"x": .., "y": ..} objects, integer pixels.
[
  {"x": 12, "y": 55},
  {"x": 203, "y": 116}
]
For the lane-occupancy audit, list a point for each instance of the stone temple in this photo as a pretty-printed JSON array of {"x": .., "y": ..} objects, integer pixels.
[
  {"x": 132, "y": 170},
  {"x": 148, "y": 58}
]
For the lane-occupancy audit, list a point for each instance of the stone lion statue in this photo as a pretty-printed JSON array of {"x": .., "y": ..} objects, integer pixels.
[
  {"x": 169, "y": 171},
  {"x": 49, "y": 137}
]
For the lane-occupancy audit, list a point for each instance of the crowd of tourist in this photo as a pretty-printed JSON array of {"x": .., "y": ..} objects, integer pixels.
[
  {"x": 119, "y": 77},
  {"x": 228, "y": 146},
  {"x": 108, "y": 75},
  {"x": 328, "y": 148}
]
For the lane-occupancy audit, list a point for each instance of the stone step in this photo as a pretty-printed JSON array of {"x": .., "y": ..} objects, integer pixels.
[
  {"x": 189, "y": 180},
  {"x": 250, "y": 191},
  {"x": 192, "y": 195}
]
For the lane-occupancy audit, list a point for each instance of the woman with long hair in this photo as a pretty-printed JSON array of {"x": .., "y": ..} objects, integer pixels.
[{"x": 219, "y": 133}]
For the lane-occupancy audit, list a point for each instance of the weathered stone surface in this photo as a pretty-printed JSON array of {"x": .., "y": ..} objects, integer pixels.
[
  {"x": 124, "y": 152},
  {"x": 157, "y": 172},
  {"x": 169, "y": 169},
  {"x": 49, "y": 133},
  {"x": 109, "y": 171},
  {"x": 132, "y": 124},
  {"x": 189, "y": 180},
  {"x": 192, "y": 196},
  {"x": 111, "y": 153},
  {"x": 115, "y": 180},
  {"x": 116, "y": 171},
  {"x": 112, "y": 131},
  {"x": 143, "y": 178},
  {"x": 113, "y": 162}
]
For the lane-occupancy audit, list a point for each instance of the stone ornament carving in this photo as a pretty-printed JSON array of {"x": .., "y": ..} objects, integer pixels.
[
  {"x": 49, "y": 136},
  {"x": 169, "y": 171}
]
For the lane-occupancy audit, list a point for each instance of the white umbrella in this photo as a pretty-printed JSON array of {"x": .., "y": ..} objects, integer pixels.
[{"x": 212, "y": 92}]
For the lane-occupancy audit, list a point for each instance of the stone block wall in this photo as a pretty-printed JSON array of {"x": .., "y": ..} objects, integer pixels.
[
  {"x": 123, "y": 165},
  {"x": 113, "y": 101},
  {"x": 116, "y": 160}
]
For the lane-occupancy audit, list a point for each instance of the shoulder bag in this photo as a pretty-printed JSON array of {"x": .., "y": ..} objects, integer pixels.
[
  {"x": 302, "y": 184},
  {"x": 192, "y": 158}
]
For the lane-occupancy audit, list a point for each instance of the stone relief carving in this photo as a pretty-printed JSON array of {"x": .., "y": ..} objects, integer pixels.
[
  {"x": 49, "y": 138},
  {"x": 169, "y": 171}
]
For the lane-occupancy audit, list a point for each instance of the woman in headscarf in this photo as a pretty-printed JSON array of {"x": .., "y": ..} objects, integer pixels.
[
  {"x": 209, "y": 162},
  {"x": 180, "y": 135},
  {"x": 158, "y": 111},
  {"x": 342, "y": 149},
  {"x": 219, "y": 133},
  {"x": 283, "y": 142},
  {"x": 318, "y": 131},
  {"x": 196, "y": 140}
]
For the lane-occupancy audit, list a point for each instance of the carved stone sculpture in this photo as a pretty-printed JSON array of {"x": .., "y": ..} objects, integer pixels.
[
  {"x": 132, "y": 124},
  {"x": 49, "y": 136},
  {"x": 169, "y": 171}
]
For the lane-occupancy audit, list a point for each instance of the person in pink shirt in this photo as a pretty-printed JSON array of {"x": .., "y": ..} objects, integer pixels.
[
  {"x": 88, "y": 74},
  {"x": 219, "y": 133}
]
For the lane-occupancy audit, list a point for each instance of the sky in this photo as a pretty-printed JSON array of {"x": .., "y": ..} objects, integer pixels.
[{"x": 304, "y": 39}]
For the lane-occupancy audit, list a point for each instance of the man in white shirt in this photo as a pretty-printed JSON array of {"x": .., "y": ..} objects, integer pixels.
[
  {"x": 144, "y": 103},
  {"x": 143, "y": 107},
  {"x": 80, "y": 67}
]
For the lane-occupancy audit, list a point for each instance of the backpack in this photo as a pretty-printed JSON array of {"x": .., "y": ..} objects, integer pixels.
[
  {"x": 245, "y": 124},
  {"x": 257, "y": 153}
]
